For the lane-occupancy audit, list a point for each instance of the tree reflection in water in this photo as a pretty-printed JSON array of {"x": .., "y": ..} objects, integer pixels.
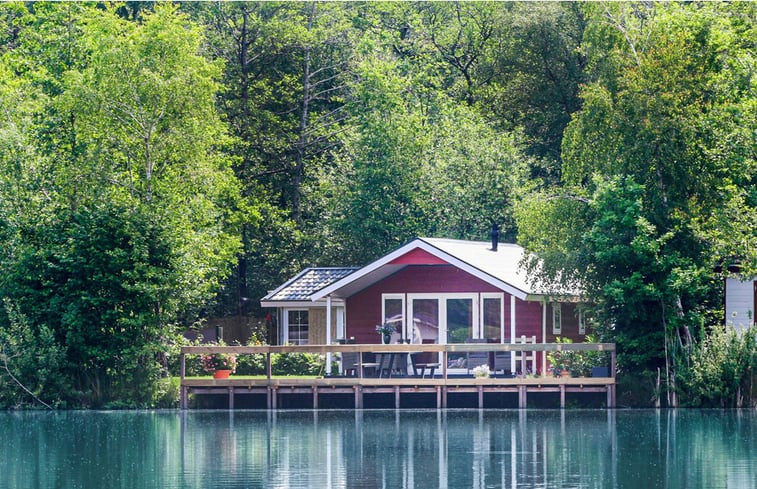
[
  {"x": 478, "y": 449},
  {"x": 379, "y": 449}
]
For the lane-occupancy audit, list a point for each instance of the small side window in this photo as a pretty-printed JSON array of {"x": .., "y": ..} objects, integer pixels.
[{"x": 556, "y": 318}]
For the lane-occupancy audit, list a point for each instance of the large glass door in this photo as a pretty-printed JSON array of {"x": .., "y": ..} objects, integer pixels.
[
  {"x": 459, "y": 320},
  {"x": 443, "y": 318},
  {"x": 425, "y": 320},
  {"x": 459, "y": 312}
]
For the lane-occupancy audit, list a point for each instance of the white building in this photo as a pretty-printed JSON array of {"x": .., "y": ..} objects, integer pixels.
[{"x": 740, "y": 298}]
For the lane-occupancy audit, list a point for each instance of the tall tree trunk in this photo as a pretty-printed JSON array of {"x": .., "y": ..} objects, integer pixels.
[
  {"x": 242, "y": 294},
  {"x": 303, "y": 138}
]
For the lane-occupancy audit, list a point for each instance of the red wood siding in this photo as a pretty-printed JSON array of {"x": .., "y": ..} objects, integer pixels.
[
  {"x": 569, "y": 324},
  {"x": 364, "y": 308},
  {"x": 528, "y": 317},
  {"x": 418, "y": 256}
]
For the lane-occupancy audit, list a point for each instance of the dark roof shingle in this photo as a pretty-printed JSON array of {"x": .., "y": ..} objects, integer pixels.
[{"x": 307, "y": 282}]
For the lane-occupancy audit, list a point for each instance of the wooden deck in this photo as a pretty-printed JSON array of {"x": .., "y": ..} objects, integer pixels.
[{"x": 442, "y": 385}]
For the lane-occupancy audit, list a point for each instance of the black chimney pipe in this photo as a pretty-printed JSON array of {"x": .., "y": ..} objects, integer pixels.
[{"x": 495, "y": 236}]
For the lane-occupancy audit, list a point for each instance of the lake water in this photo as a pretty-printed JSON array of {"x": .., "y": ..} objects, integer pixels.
[{"x": 379, "y": 449}]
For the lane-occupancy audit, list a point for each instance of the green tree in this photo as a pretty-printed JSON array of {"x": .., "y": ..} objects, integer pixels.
[
  {"x": 380, "y": 174},
  {"x": 664, "y": 196},
  {"x": 121, "y": 220}
]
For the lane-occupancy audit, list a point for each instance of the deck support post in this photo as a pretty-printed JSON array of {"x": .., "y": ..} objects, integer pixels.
[
  {"x": 358, "y": 397},
  {"x": 268, "y": 398},
  {"x": 315, "y": 397},
  {"x": 444, "y": 397},
  {"x": 562, "y": 396},
  {"x": 182, "y": 373},
  {"x": 438, "y": 397},
  {"x": 480, "y": 396},
  {"x": 274, "y": 398},
  {"x": 231, "y": 397},
  {"x": 396, "y": 397},
  {"x": 522, "y": 397},
  {"x": 611, "y": 388}
]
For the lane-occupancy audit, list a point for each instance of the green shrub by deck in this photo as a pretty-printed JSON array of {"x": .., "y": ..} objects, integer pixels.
[
  {"x": 722, "y": 369},
  {"x": 297, "y": 364}
]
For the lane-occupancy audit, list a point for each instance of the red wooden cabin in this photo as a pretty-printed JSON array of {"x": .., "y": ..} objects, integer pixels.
[{"x": 432, "y": 291}]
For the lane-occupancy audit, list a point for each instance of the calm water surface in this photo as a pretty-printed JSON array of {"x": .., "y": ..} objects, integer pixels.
[{"x": 379, "y": 449}]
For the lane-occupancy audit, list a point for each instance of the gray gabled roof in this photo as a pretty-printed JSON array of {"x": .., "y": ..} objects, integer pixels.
[
  {"x": 307, "y": 282},
  {"x": 501, "y": 268}
]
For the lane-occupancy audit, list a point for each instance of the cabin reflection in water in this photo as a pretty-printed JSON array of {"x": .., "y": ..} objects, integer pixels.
[{"x": 412, "y": 449}]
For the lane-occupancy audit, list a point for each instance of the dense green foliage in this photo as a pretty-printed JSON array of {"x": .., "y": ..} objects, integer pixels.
[
  {"x": 658, "y": 177},
  {"x": 119, "y": 204},
  {"x": 160, "y": 164}
]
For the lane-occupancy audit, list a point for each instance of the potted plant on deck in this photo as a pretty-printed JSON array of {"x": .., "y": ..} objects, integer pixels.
[
  {"x": 385, "y": 330},
  {"x": 482, "y": 372},
  {"x": 562, "y": 361},
  {"x": 576, "y": 363},
  {"x": 221, "y": 365}
]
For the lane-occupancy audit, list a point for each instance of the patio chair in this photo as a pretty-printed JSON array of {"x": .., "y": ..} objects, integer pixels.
[
  {"x": 350, "y": 363},
  {"x": 525, "y": 356},
  {"x": 422, "y": 361},
  {"x": 502, "y": 362},
  {"x": 371, "y": 365}
]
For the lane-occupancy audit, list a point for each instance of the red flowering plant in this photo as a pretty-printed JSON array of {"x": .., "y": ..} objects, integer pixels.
[{"x": 218, "y": 361}]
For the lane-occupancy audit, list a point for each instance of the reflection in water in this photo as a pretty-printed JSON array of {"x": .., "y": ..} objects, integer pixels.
[{"x": 378, "y": 449}]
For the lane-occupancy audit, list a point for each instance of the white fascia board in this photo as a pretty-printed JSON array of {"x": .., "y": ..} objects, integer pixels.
[
  {"x": 419, "y": 243},
  {"x": 301, "y": 304},
  {"x": 555, "y": 298},
  {"x": 365, "y": 270},
  {"x": 476, "y": 272}
]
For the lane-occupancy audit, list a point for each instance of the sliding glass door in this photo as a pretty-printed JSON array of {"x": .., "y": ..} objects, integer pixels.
[
  {"x": 442, "y": 318},
  {"x": 425, "y": 320},
  {"x": 459, "y": 320}
]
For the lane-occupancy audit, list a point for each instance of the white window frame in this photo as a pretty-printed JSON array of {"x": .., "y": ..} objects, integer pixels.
[
  {"x": 400, "y": 297},
  {"x": 492, "y": 295},
  {"x": 581, "y": 322},
  {"x": 286, "y": 323},
  {"x": 556, "y": 315},
  {"x": 442, "y": 301}
]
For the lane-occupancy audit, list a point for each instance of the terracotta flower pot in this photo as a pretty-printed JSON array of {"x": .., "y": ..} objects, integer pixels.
[
  {"x": 565, "y": 373},
  {"x": 221, "y": 374}
]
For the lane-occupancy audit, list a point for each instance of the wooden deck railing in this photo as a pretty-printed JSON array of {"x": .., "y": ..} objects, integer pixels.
[
  {"x": 272, "y": 387},
  {"x": 445, "y": 350}
]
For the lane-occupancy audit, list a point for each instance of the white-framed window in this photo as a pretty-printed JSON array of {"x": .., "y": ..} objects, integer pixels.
[
  {"x": 581, "y": 322},
  {"x": 393, "y": 311},
  {"x": 556, "y": 318},
  {"x": 297, "y": 326},
  {"x": 492, "y": 316}
]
